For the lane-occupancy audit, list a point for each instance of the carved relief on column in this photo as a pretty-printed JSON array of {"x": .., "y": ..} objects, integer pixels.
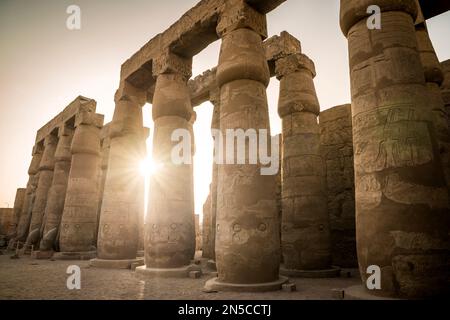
[
  {"x": 79, "y": 219},
  {"x": 118, "y": 232},
  {"x": 305, "y": 231},
  {"x": 399, "y": 179},
  {"x": 46, "y": 168},
  {"x": 247, "y": 224},
  {"x": 215, "y": 125},
  {"x": 57, "y": 193},
  {"x": 170, "y": 230}
]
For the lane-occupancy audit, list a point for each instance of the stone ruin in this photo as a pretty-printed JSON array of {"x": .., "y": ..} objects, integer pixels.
[{"x": 365, "y": 183}]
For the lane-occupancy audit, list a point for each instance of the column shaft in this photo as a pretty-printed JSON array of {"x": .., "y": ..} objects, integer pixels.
[
  {"x": 46, "y": 168},
  {"x": 247, "y": 226},
  {"x": 79, "y": 219},
  {"x": 170, "y": 241},
  {"x": 118, "y": 232},
  {"x": 57, "y": 193},
  {"x": 399, "y": 179},
  {"x": 305, "y": 232}
]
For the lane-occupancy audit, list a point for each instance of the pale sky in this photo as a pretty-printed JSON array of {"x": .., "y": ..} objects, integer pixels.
[{"x": 44, "y": 66}]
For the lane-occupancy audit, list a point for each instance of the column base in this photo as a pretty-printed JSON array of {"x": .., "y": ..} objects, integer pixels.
[
  {"x": 215, "y": 284},
  {"x": 358, "y": 292},
  {"x": 334, "y": 272},
  {"x": 182, "y": 272},
  {"x": 42, "y": 255},
  {"x": 86, "y": 255},
  {"x": 114, "y": 264}
]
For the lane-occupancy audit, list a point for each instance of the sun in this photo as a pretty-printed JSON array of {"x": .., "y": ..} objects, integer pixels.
[{"x": 147, "y": 167}]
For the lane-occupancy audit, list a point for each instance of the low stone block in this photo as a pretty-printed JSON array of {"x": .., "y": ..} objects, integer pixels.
[
  {"x": 289, "y": 287},
  {"x": 195, "y": 274}
]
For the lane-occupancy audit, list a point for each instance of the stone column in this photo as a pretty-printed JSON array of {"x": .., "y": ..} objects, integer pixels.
[
  {"x": 247, "y": 224},
  {"x": 46, "y": 168},
  {"x": 18, "y": 207},
  {"x": 170, "y": 230},
  {"x": 118, "y": 232},
  {"x": 105, "y": 143},
  {"x": 305, "y": 231},
  {"x": 79, "y": 218},
  {"x": 399, "y": 179},
  {"x": 23, "y": 225},
  {"x": 206, "y": 230},
  {"x": 215, "y": 125},
  {"x": 445, "y": 88},
  {"x": 434, "y": 78},
  {"x": 56, "y": 194},
  {"x": 143, "y": 155}
]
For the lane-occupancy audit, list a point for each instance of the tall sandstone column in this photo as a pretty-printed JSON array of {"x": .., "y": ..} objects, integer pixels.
[
  {"x": 142, "y": 155},
  {"x": 46, "y": 168},
  {"x": 434, "y": 78},
  {"x": 18, "y": 207},
  {"x": 445, "y": 87},
  {"x": 79, "y": 218},
  {"x": 118, "y": 232},
  {"x": 305, "y": 231},
  {"x": 215, "y": 125},
  {"x": 247, "y": 225},
  {"x": 170, "y": 230},
  {"x": 57, "y": 193},
  {"x": 402, "y": 218},
  {"x": 23, "y": 225},
  {"x": 206, "y": 229}
]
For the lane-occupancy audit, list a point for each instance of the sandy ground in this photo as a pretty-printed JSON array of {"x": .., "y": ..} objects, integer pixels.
[{"x": 26, "y": 278}]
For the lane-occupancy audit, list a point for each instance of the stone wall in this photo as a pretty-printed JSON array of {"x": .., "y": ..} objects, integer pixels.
[{"x": 337, "y": 150}]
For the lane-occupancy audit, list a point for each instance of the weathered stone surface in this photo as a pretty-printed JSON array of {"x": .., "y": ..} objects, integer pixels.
[
  {"x": 66, "y": 115},
  {"x": 170, "y": 230},
  {"x": 275, "y": 48},
  {"x": 6, "y": 221},
  {"x": 141, "y": 220},
  {"x": 434, "y": 77},
  {"x": 215, "y": 125},
  {"x": 336, "y": 143},
  {"x": 18, "y": 207},
  {"x": 399, "y": 180},
  {"x": 445, "y": 87},
  {"x": 46, "y": 167},
  {"x": 207, "y": 229},
  {"x": 192, "y": 33},
  {"x": 247, "y": 228},
  {"x": 198, "y": 234},
  {"x": 305, "y": 231},
  {"x": 57, "y": 192},
  {"x": 79, "y": 219},
  {"x": 118, "y": 234},
  {"x": 23, "y": 225}
]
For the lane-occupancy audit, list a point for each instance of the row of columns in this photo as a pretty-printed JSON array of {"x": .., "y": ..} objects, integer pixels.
[
  {"x": 401, "y": 161},
  {"x": 59, "y": 208}
]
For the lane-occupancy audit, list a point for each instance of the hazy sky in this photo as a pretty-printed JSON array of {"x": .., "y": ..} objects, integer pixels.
[{"x": 44, "y": 66}]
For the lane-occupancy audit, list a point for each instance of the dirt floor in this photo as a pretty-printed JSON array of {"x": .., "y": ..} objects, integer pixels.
[{"x": 26, "y": 278}]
